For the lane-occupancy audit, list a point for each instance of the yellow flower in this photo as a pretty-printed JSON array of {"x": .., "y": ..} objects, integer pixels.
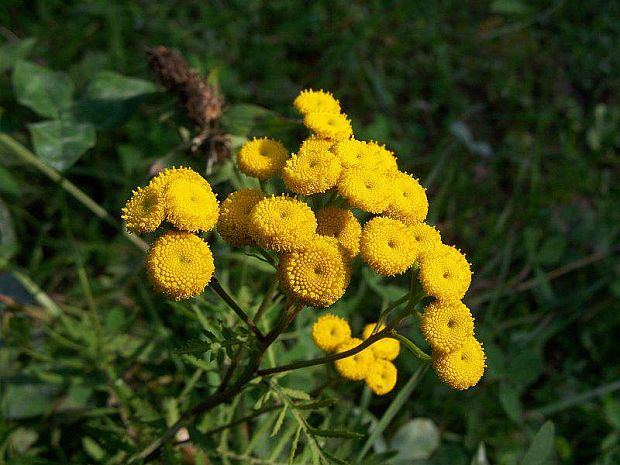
[
  {"x": 235, "y": 215},
  {"x": 330, "y": 331},
  {"x": 426, "y": 236},
  {"x": 462, "y": 368},
  {"x": 315, "y": 144},
  {"x": 388, "y": 246},
  {"x": 352, "y": 152},
  {"x": 161, "y": 181},
  {"x": 144, "y": 211},
  {"x": 190, "y": 205},
  {"x": 446, "y": 325},
  {"x": 179, "y": 265},
  {"x": 386, "y": 348},
  {"x": 262, "y": 158},
  {"x": 341, "y": 224},
  {"x": 329, "y": 125},
  {"x": 309, "y": 101},
  {"x": 409, "y": 203},
  {"x": 354, "y": 367},
  {"x": 445, "y": 273},
  {"x": 282, "y": 224},
  {"x": 311, "y": 172},
  {"x": 366, "y": 189},
  {"x": 381, "y": 376},
  {"x": 317, "y": 275},
  {"x": 382, "y": 159}
]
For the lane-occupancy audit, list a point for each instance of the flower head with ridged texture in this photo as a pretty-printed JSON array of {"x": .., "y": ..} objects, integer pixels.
[
  {"x": 341, "y": 224},
  {"x": 179, "y": 265},
  {"x": 315, "y": 144},
  {"x": 282, "y": 223},
  {"x": 317, "y": 275},
  {"x": 386, "y": 348},
  {"x": 311, "y": 172},
  {"x": 367, "y": 190},
  {"x": 311, "y": 101},
  {"x": 446, "y": 325},
  {"x": 462, "y": 368},
  {"x": 409, "y": 203},
  {"x": 262, "y": 158},
  {"x": 354, "y": 367},
  {"x": 329, "y": 331},
  {"x": 382, "y": 159},
  {"x": 332, "y": 126},
  {"x": 144, "y": 211},
  {"x": 388, "y": 246},
  {"x": 161, "y": 181},
  {"x": 190, "y": 205},
  {"x": 426, "y": 236},
  {"x": 381, "y": 376},
  {"x": 445, "y": 273},
  {"x": 352, "y": 152},
  {"x": 235, "y": 216}
]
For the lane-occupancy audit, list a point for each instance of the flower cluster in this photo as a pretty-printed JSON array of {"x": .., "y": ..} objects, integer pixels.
[
  {"x": 374, "y": 364},
  {"x": 179, "y": 263}
]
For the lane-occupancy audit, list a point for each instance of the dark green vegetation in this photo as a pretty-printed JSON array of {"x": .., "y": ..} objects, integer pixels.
[{"x": 508, "y": 111}]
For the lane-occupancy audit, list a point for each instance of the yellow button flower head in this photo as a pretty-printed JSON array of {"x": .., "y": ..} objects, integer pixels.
[
  {"x": 179, "y": 264},
  {"x": 332, "y": 126},
  {"x": 190, "y": 205},
  {"x": 462, "y": 368},
  {"x": 144, "y": 211},
  {"x": 262, "y": 158},
  {"x": 409, "y": 203},
  {"x": 388, "y": 246},
  {"x": 161, "y": 181},
  {"x": 382, "y": 159},
  {"x": 282, "y": 224},
  {"x": 366, "y": 189},
  {"x": 341, "y": 224},
  {"x": 309, "y": 101},
  {"x": 235, "y": 215},
  {"x": 445, "y": 273},
  {"x": 381, "y": 376},
  {"x": 356, "y": 366},
  {"x": 386, "y": 348},
  {"x": 330, "y": 331},
  {"x": 426, "y": 236},
  {"x": 317, "y": 275},
  {"x": 315, "y": 144},
  {"x": 353, "y": 153},
  {"x": 311, "y": 172},
  {"x": 446, "y": 325}
]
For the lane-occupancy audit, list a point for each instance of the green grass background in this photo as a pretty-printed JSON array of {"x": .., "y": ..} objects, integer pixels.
[{"x": 508, "y": 112}]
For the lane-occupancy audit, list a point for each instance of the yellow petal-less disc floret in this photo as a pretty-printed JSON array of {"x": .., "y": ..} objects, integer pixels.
[
  {"x": 282, "y": 224},
  {"x": 311, "y": 172},
  {"x": 386, "y": 348},
  {"x": 382, "y": 159},
  {"x": 356, "y": 366},
  {"x": 341, "y": 224},
  {"x": 445, "y": 273},
  {"x": 462, "y": 368},
  {"x": 388, "y": 246},
  {"x": 144, "y": 211},
  {"x": 309, "y": 101},
  {"x": 333, "y": 126},
  {"x": 262, "y": 158},
  {"x": 315, "y": 144},
  {"x": 352, "y": 152},
  {"x": 366, "y": 189},
  {"x": 190, "y": 205},
  {"x": 161, "y": 181},
  {"x": 426, "y": 236},
  {"x": 381, "y": 376},
  {"x": 235, "y": 215},
  {"x": 179, "y": 265},
  {"x": 330, "y": 331},
  {"x": 317, "y": 275},
  {"x": 409, "y": 203},
  {"x": 446, "y": 325}
]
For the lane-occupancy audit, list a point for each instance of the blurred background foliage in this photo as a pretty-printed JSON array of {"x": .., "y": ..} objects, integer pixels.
[{"x": 507, "y": 110}]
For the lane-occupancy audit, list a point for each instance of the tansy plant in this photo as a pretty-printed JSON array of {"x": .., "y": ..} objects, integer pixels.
[{"x": 343, "y": 198}]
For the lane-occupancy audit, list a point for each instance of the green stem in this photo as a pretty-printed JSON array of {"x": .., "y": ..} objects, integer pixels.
[
  {"x": 266, "y": 299},
  {"x": 415, "y": 350},
  {"x": 217, "y": 287}
]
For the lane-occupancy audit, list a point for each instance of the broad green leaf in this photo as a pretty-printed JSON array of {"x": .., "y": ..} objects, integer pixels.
[
  {"x": 48, "y": 93},
  {"x": 12, "y": 52},
  {"x": 416, "y": 439},
  {"x": 541, "y": 448},
  {"x": 510, "y": 401},
  {"x": 61, "y": 143}
]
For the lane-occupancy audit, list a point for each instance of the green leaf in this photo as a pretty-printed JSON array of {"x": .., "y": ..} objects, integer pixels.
[
  {"x": 335, "y": 433},
  {"x": 541, "y": 448},
  {"x": 46, "y": 92},
  {"x": 61, "y": 143},
  {"x": 278, "y": 424},
  {"x": 294, "y": 443},
  {"x": 92, "y": 448},
  {"x": 510, "y": 401},
  {"x": 8, "y": 237},
  {"x": 416, "y": 439},
  {"x": 8, "y": 184},
  {"x": 296, "y": 394},
  {"x": 12, "y": 52}
]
